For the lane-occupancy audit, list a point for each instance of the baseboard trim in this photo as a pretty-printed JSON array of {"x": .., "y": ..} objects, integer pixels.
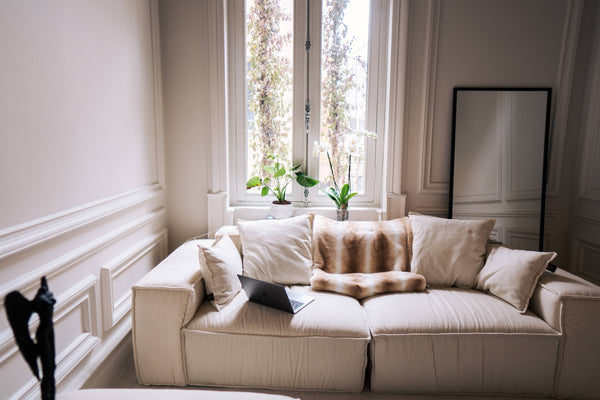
[{"x": 113, "y": 366}]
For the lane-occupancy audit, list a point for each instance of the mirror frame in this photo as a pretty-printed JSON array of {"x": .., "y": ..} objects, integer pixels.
[{"x": 546, "y": 145}]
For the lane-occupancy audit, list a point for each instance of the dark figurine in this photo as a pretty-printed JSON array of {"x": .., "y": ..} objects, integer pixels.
[{"x": 19, "y": 310}]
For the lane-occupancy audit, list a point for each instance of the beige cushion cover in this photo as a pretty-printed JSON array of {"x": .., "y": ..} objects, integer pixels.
[
  {"x": 278, "y": 251},
  {"x": 513, "y": 274},
  {"x": 572, "y": 305},
  {"x": 361, "y": 286},
  {"x": 449, "y": 252},
  {"x": 220, "y": 265},
  {"x": 163, "y": 302},
  {"x": 362, "y": 246},
  {"x": 458, "y": 341},
  {"x": 233, "y": 233},
  {"x": 322, "y": 347}
]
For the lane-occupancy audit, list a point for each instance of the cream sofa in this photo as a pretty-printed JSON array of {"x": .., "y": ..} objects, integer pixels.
[{"x": 446, "y": 341}]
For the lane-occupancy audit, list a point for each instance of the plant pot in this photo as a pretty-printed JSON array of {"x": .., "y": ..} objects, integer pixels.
[
  {"x": 342, "y": 213},
  {"x": 281, "y": 210}
]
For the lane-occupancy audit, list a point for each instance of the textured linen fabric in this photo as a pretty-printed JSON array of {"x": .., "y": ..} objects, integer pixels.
[
  {"x": 330, "y": 315},
  {"x": 449, "y": 252},
  {"x": 322, "y": 347},
  {"x": 458, "y": 341},
  {"x": 572, "y": 306},
  {"x": 362, "y": 246},
  {"x": 220, "y": 265},
  {"x": 512, "y": 275},
  {"x": 361, "y": 286},
  {"x": 231, "y": 231},
  {"x": 163, "y": 302},
  {"x": 278, "y": 251}
]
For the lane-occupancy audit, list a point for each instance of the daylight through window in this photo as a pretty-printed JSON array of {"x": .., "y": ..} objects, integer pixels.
[{"x": 280, "y": 67}]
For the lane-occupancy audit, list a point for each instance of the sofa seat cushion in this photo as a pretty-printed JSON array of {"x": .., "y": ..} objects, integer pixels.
[
  {"x": 450, "y": 310},
  {"x": 322, "y": 347},
  {"x": 330, "y": 315},
  {"x": 458, "y": 341}
]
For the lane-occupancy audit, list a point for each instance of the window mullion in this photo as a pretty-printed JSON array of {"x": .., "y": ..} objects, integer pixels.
[{"x": 313, "y": 91}]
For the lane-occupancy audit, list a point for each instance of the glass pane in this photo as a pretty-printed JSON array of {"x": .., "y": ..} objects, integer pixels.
[
  {"x": 344, "y": 55},
  {"x": 269, "y": 60}
]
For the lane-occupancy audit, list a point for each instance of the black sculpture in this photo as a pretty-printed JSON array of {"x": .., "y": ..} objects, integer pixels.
[{"x": 19, "y": 310}]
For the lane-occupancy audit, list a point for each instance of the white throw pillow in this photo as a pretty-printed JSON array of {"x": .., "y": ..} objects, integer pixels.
[
  {"x": 513, "y": 274},
  {"x": 449, "y": 252},
  {"x": 220, "y": 264},
  {"x": 278, "y": 251}
]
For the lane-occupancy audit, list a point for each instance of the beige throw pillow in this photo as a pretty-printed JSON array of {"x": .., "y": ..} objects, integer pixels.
[
  {"x": 278, "y": 251},
  {"x": 513, "y": 274},
  {"x": 220, "y": 265},
  {"x": 449, "y": 252},
  {"x": 362, "y": 246}
]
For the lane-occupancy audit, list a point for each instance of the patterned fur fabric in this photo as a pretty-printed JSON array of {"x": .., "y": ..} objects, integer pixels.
[
  {"x": 364, "y": 285},
  {"x": 362, "y": 246}
]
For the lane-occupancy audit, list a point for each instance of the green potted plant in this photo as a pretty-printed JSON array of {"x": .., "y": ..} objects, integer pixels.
[
  {"x": 276, "y": 182},
  {"x": 341, "y": 195}
]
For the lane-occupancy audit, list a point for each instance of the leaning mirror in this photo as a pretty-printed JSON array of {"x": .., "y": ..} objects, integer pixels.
[{"x": 499, "y": 147}]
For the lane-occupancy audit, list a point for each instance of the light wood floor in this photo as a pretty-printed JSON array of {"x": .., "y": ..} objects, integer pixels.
[{"x": 128, "y": 380}]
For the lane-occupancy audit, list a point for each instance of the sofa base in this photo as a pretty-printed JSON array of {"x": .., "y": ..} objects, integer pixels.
[
  {"x": 465, "y": 363},
  {"x": 301, "y": 363}
]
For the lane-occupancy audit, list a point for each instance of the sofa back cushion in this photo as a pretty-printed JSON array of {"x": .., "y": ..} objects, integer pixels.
[
  {"x": 278, "y": 250},
  {"x": 449, "y": 252},
  {"x": 362, "y": 246}
]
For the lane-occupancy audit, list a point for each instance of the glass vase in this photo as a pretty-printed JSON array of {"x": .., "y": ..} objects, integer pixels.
[{"x": 342, "y": 213}]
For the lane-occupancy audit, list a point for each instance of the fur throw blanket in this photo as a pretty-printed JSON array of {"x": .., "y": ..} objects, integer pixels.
[
  {"x": 362, "y": 246},
  {"x": 364, "y": 285},
  {"x": 363, "y": 258}
]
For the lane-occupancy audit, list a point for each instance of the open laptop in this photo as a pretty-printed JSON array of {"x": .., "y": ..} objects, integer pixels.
[{"x": 274, "y": 295}]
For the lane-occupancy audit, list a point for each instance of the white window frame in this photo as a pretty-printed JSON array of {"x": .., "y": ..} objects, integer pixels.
[{"x": 376, "y": 102}]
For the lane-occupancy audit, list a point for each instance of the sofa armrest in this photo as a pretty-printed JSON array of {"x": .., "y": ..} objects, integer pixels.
[
  {"x": 164, "y": 301},
  {"x": 571, "y": 305}
]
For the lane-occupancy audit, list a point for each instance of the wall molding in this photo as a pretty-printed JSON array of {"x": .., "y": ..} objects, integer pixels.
[
  {"x": 441, "y": 212},
  {"x": 113, "y": 308},
  {"x": 492, "y": 214},
  {"x": 29, "y": 280},
  {"x": 23, "y": 237},
  {"x": 82, "y": 298},
  {"x": 588, "y": 218},
  {"x": 580, "y": 246},
  {"x": 426, "y": 185},
  {"x": 562, "y": 94},
  {"x": 591, "y": 129},
  {"x": 521, "y": 233}
]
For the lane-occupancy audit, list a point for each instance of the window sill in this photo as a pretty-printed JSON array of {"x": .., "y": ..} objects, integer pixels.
[{"x": 235, "y": 213}]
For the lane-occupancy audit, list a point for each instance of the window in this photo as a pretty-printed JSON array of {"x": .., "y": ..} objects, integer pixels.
[{"x": 303, "y": 76}]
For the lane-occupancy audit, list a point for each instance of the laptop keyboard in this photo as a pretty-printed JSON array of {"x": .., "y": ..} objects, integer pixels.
[{"x": 295, "y": 304}]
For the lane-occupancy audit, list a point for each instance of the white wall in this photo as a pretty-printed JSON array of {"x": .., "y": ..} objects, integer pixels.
[
  {"x": 185, "y": 43},
  {"x": 449, "y": 43},
  {"x": 579, "y": 229},
  {"x": 81, "y": 173},
  {"x": 468, "y": 43}
]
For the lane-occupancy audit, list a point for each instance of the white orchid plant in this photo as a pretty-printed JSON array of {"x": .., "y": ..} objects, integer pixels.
[{"x": 352, "y": 140}]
